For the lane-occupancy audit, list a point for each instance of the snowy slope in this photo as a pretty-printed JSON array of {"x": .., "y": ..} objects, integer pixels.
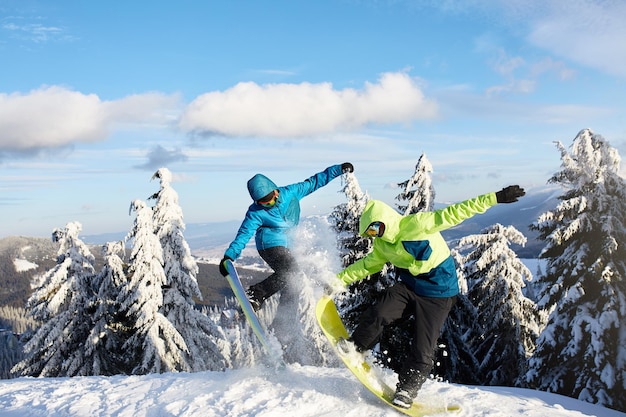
[{"x": 295, "y": 391}]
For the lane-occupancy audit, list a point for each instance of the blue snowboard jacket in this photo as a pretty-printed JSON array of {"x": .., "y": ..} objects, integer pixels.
[{"x": 272, "y": 225}]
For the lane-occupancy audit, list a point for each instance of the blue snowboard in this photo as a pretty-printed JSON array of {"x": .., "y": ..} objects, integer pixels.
[{"x": 248, "y": 311}]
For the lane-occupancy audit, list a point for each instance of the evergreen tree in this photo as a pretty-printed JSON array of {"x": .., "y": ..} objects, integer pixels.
[
  {"x": 345, "y": 221},
  {"x": 240, "y": 350},
  {"x": 417, "y": 193},
  {"x": 154, "y": 345},
  {"x": 104, "y": 347},
  {"x": 507, "y": 322},
  {"x": 11, "y": 352},
  {"x": 181, "y": 286},
  {"x": 460, "y": 364},
  {"x": 64, "y": 303},
  {"x": 582, "y": 351}
]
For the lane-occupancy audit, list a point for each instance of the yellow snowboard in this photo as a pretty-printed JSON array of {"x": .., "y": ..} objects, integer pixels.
[{"x": 330, "y": 323}]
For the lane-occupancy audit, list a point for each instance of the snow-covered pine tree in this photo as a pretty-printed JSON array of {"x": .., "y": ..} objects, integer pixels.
[
  {"x": 508, "y": 323},
  {"x": 582, "y": 351},
  {"x": 64, "y": 303},
  {"x": 104, "y": 353},
  {"x": 417, "y": 193},
  {"x": 154, "y": 345},
  {"x": 460, "y": 365},
  {"x": 240, "y": 351},
  {"x": 345, "y": 221},
  {"x": 181, "y": 286}
]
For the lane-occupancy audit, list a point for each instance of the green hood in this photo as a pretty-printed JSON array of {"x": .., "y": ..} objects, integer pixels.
[{"x": 377, "y": 211}]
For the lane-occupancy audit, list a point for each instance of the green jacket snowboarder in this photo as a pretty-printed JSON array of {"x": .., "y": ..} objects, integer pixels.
[{"x": 428, "y": 281}]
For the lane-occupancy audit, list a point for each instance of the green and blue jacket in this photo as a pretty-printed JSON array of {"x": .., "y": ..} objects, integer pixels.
[{"x": 414, "y": 244}]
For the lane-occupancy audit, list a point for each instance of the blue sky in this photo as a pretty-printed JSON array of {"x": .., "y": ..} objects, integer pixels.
[{"x": 96, "y": 96}]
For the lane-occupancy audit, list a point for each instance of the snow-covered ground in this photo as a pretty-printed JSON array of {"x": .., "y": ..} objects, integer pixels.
[
  {"x": 294, "y": 391},
  {"x": 22, "y": 265}
]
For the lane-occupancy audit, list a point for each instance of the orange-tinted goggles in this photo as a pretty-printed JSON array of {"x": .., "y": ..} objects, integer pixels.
[
  {"x": 375, "y": 229},
  {"x": 269, "y": 200}
]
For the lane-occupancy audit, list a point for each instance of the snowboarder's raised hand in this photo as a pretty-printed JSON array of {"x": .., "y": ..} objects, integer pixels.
[
  {"x": 510, "y": 194},
  {"x": 222, "y": 265},
  {"x": 347, "y": 167}
]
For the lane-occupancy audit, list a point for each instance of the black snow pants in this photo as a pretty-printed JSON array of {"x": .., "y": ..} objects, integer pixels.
[
  {"x": 430, "y": 314},
  {"x": 280, "y": 259}
]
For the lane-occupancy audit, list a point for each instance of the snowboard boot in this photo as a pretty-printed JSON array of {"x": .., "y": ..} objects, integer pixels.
[
  {"x": 402, "y": 399},
  {"x": 409, "y": 383},
  {"x": 256, "y": 304}
]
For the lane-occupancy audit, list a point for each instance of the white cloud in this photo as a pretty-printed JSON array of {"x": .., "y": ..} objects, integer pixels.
[
  {"x": 55, "y": 116},
  {"x": 591, "y": 33},
  {"x": 507, "y": 65},
  {"x": 520, "y": 76},
  {"x": 548, "y": 64},
  {"x": 513, "y": 86},
  {"x": 34, "y": 32},
  {"x": 297, "y": 110}
]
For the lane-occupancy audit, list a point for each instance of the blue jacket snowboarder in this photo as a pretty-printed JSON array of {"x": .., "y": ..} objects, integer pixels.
[{"x": 272, "y": 216}]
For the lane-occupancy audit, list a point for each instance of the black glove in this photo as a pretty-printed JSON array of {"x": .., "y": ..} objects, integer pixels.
[
  {"x": 223, "y": 270},
  {"x": 347, "y": 167},
  {"x": 510, "y": 194}
]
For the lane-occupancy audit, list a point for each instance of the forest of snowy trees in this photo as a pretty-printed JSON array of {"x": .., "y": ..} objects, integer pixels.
[{"x": 561, "y": 331}]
